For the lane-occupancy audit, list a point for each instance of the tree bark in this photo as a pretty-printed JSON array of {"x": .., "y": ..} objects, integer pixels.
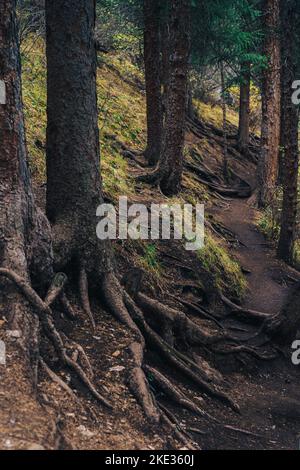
[
  {"x": 73, "y": 153},
  {"x": 224, "y": 113},
  {"x": 270, "y": 133},
  {"x": 282, "y": 111},
  {"x": 165, "y": 54},
  {"x": 290, "y": 137},
  {"x": 244, "y": 111},
  {"x": 172, "y": 157},
  {"x": 25, "y": 243},
  {"x": 152, "y": 59}
]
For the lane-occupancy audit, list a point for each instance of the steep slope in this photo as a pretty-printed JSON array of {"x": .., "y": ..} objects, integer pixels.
[{"x": 190, "y": 282}]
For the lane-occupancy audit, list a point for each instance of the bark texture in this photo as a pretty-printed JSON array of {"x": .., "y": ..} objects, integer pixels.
[
  {"x": 289, "y": 134},
  {"x": 25, "y": 245},
  {"x": 244, "y": 111},
  {"x": 152, "y": 59},
  {"x": 25, "y": 248},
  {"x": 270, "y": 137},
  {"x": 172, "y": 157},
  {"x": 73, "y": 153}
]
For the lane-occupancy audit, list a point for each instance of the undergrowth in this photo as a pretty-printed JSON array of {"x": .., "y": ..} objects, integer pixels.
[
  {"x": 121, "y": 105},
  {"x": 227, "y": 272}
]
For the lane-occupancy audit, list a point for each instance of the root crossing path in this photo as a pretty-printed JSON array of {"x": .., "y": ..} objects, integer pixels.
[
  {"x": 269, "y": 280},
  {"x": 267, "y": 393}
]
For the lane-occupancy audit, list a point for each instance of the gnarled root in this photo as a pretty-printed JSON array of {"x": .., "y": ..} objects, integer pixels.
[
  {"x": 45, "y": 315},
  {"x": 169, "y": 419},
  {"x": 139, "y": 385},
  {"x": 177, "y": 320},
  {"x": 67, "y": 307},
  {"x": 248, "y": 350},
  {"x": 112, "y": 290},
  {"x": 53, "y": 376},
  {"x": 248, "y": 315},
  {"x": 84, "y": 296},
  {"x": 172, "y": 392},
  {"x": 175, "y": 358}
]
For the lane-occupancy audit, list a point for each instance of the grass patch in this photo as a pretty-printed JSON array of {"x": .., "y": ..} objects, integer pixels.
[
  {"x": 121, "y": 114},
  {"x": 269, "y": 225},
  {"x": 227, "y": 272},
  {"x": 214, "y": 114}
]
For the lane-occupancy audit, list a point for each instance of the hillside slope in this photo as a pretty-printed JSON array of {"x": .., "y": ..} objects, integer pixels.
[{"x": 190, "y": 282}]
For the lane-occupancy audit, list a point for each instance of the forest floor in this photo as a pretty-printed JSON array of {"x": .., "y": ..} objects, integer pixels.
[{"x": 267, "y": 392}]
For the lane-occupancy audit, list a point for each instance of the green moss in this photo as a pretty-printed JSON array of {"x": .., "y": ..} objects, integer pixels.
[{"x": 227, "y": 272}]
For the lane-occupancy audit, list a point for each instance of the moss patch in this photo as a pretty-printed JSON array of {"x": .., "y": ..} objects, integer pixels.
[{"x": 227, "y": 272}]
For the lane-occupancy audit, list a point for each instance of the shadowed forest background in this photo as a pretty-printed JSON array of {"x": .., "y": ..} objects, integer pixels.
[{"x": 140, "y": 344}]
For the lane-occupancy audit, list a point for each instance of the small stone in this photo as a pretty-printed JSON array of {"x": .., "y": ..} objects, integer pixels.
[
  {"x": 14, "y": 334},
  {"x": 116, "y": 354},
  {"x": 8, "y": 444},
  {"x": 35, "y": 446},
  {"x": 117, "y": 369},
  {"x": 85, "y": 432}
]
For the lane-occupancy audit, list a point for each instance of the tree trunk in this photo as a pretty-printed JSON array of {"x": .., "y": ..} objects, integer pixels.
[
  {"x": 25, "y": 244},
  {"x": 224, "y": 113},
  {"x": 165, "y": 54},
  {"x": 244, "y": 111},
  {"x": 290, "y": 138},
  {"x": 152, "y": 58},
  {"x": 25, "y": 234},
  {"x": 282, "y": 118},
  {"x": 270, "y": 133},
  {"x": 172, "y": 158},
  {"x": 73, "y": 152}
]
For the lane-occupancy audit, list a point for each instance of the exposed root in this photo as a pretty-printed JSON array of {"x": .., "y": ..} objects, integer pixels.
[
  {"x": 169, "y": 419},
  {"x": 67, "y": 307},
  {"x": 177, "y": 320},
  {"x": 250, "y": 315},
  {"x": 181, "y": 362},
  {"x": 84, "y": 296},
  {"x": 172, "y": 392},
  {"x": 248, "y": 350},
  {"x": 53, "y": 376},
  {"x": 45, "y": 315},
  {"x": 112, "y": 292},
  {"x": 79, "y": 354},
  {"x": 152, "y": 178},
  {"x": 56, "y": 288},
  {"x": 139, "y": 385},
  {"x": 200, "y": 311},
  {"x": 175, "y": 395},
  {"x": 241, "y": 431}
]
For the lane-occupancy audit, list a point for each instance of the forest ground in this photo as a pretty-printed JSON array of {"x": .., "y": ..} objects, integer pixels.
[{"x": 266, "y": 391}]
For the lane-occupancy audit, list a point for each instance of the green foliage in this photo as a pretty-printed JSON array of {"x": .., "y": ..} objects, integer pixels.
[
  {"x": 121, "y": 114},
  {"x": 270, "y": 219},
  {"x": 227, "y": 272},
  {"x": 227, "y": 32},
  {"x": 121, "y": 28},
  {"x": 150, "y": 256}
]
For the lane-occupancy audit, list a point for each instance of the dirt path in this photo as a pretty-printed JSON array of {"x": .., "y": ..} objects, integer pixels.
[
  {"x": 269, "y": 280},
  {"x": 269, "y": 394}
]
